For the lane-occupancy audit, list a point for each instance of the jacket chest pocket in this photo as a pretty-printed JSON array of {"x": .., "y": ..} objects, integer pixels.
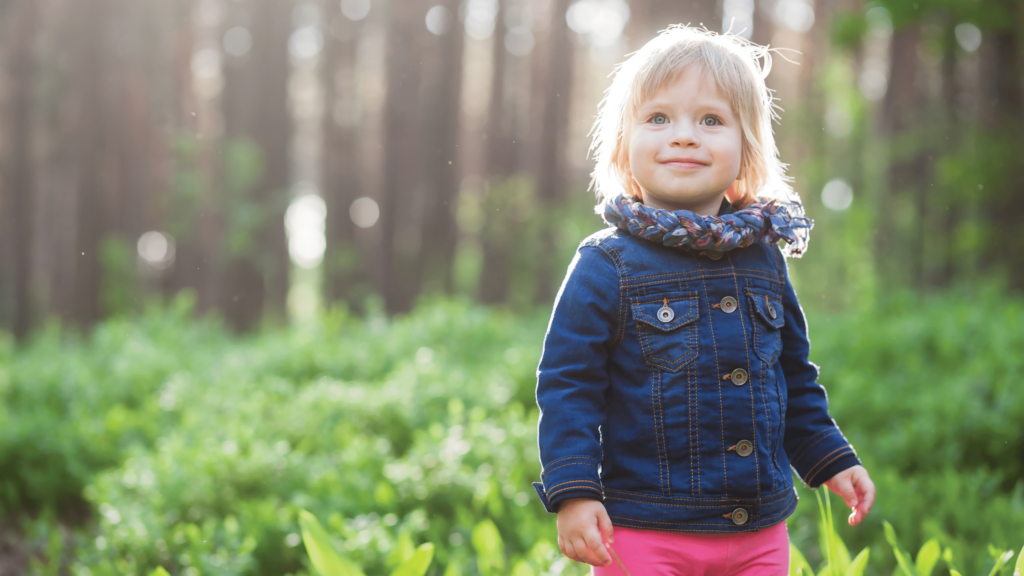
[
  {"x": 768, "y": 321},
  {"x": 667, "y": 327}
]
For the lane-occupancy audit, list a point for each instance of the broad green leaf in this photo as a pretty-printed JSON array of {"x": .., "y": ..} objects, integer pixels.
[
  {"x": 798, "y": 565},
  {"x": 901, "y": 558},
  {"x": 927, "y": 556},
  {"x": 953, "y": 572},
  {"x": 454, "y": 567},
  {"x": 159, "y": 572},
  {"x": 489, "y": 547},
  {"x": 1018, "y": 569},
  {"x": 419, "y": 562},
  {"x": 522, "y": 568},
  {"x": 859, "y": 563},
  {"x": 321, "y": 551}
]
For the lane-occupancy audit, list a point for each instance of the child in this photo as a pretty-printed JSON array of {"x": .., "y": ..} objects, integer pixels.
[{"x": 675, "y": 388}]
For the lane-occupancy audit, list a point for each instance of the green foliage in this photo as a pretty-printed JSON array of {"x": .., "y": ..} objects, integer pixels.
[
  {"x": 322, "y": 554},
  {"x": 245, "y": 214},
  {"x": 198, "y": 452},
  {"x": 118, "y": 290}
]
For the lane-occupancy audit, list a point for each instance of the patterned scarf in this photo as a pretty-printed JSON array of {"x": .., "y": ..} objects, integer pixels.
[{"x": 769, "y": 221}]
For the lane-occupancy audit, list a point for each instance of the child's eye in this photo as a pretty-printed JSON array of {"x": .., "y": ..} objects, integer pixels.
[
  {"x": 659, "y": 118},
  {"x": 715, "y": 119}
]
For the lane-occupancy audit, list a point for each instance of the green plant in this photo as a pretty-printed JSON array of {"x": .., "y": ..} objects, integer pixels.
[{"x": 329, "y": 562}]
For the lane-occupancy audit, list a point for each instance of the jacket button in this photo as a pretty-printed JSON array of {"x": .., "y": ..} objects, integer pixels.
[
  {"x": 715, "y": 255},
  {"x": 744, "y": 448},
  {"x": 666, "y": 314},
  {"x": 771, "y": 311},
  {"x": 728, "y": 304},
  {"x": 738, "y": 376},
  {"x": 739, "y": 516}
]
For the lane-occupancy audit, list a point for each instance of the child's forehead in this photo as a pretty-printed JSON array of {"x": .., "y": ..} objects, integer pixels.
[{"x": 667, "y": 90}]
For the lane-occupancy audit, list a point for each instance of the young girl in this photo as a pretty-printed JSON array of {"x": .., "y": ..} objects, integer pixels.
[{"x": 675, "y": 388}]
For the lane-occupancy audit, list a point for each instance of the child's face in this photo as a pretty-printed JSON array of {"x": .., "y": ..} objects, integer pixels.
[{"x": 684, "y": 145}]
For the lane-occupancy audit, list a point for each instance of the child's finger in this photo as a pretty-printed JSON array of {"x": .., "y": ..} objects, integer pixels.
[
  {"x": 866, "y": 493},
  {"x": 597, "y": 549},
  {"x": 570, "y": 551},
  {"x": 582, "y": 551},
  {"x": 604, "y": 524}
]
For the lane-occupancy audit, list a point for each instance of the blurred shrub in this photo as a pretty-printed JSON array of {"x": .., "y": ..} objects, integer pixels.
[{"x": 197, "y": 451}]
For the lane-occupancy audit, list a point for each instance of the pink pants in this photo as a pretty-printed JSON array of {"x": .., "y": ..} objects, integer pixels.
[{"x": 658, "y": 553}]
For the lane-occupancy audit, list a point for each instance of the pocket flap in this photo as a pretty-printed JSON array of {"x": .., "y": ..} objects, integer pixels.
[
  {"x": 768, "y": 308},
  {"x": 682, "y": 304}
]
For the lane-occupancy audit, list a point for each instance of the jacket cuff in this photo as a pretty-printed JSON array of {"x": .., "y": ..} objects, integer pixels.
[
  {"x": 822, "y": 456},
  {"x": 562, "y": 497},
  {"x": 572, "y": 477}
]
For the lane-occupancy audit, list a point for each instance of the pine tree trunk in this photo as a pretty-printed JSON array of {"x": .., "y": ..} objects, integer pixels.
[
  {"x": 400, "y": 202},
  {"x": 494, "y": 276},
  {"x": 20, "y": 183},
  {"x": 344, "y": 264},
  {"x": 91, "y": 144},
  {"x": 273, "y": 135},
  {"x": 441, "y": 167},
  {"x": 557, "y": 91}
]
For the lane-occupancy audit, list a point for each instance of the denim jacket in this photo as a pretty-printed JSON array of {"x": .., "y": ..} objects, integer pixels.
[{"x": 675, "y": 387}]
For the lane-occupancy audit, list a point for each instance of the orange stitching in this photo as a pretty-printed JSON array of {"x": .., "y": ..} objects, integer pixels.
[
  {"x": 568, "y": 457},
  {"x": 571, "y": 482},
  {"x": 804, "y": 447},
  {"x": 656, "y": 500},
  {"x": 823, "y": 464},
  {"x": 695, "y": 421},
  {"x": 552, "y": 494},
  {"x": 546, "y": 472}
]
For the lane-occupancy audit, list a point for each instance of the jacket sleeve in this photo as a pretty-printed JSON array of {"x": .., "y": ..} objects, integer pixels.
[
  {"x": 816, "y": 447},
  {"x": 572, "y": 379}
]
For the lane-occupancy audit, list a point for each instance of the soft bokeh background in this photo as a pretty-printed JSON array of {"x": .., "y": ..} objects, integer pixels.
[{"x": 265, "y": 255}]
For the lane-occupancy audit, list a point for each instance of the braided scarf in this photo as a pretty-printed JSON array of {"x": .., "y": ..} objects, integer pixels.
[{"x": 769, "y": 221}]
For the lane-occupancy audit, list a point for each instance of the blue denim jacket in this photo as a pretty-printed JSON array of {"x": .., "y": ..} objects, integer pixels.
[{"x": 675, "y": 387}]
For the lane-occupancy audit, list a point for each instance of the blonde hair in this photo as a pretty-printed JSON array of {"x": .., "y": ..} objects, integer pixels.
[{"x": 735, "y": 65}]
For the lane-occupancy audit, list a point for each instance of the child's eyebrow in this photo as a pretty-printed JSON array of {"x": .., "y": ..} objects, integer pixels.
[{"x": 706, "y": 105}]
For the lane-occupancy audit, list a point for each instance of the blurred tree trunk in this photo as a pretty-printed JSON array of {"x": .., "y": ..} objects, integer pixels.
[
  {"x": 273, "y": 135},
  {"x": 952, "y": 128},
  {"x": 344, "y": 264},
  {"x": 906, "y": 169},
  {"x": 242, "y": 284},
  {"x": 497, "y": 245},
  {"x": 400, "y": 210},
  {"x": 91, "y": 146},
  {"x": 1002, "y": 123},
  {"x": 180, "y": 219},
  {"x": 557, "y": 90},
  {"x": 696, "y": 13},
  {"x": 440, "y": 138},
  {"x": 764, "y": 26},
  {"x": 20, "y": 181},
  {"x": 255, "y": 107}
]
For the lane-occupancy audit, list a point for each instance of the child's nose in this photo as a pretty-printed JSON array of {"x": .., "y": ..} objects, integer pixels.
[{"x": 685, "y": 135}]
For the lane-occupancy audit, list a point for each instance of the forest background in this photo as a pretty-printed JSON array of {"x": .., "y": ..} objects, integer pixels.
[{"x": 260, "y": 255}]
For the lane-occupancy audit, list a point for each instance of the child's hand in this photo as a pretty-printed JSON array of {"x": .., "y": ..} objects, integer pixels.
[
  {"x": 583, "y": 526},
  {"x": 855, "y": 487}
]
